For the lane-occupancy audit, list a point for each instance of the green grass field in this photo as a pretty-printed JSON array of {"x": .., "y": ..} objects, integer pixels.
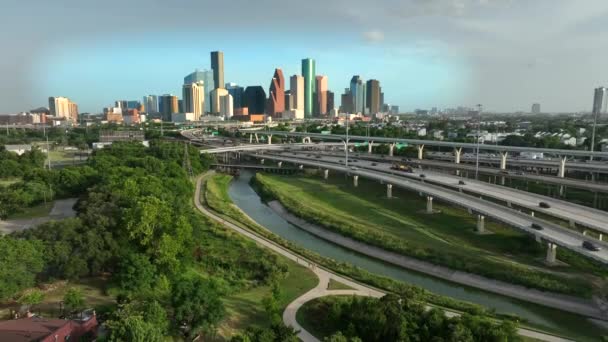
[
  {"x": 245, "y": 308},
  {"x": 39, "y": 210},
  {"x": 336, "y": 285},
  {"x": 448, "y": 238},
  {"x": 9, "y": 181}
]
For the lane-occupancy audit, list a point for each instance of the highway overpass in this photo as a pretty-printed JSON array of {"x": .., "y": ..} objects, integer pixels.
[{"x": 552, "y": 233}]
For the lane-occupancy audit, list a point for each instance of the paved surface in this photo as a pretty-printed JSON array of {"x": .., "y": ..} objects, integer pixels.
[
  {"x": 289, "y": 315},
  {"x": 61, "y": 209},
  {"x": 552, "y": 233}
]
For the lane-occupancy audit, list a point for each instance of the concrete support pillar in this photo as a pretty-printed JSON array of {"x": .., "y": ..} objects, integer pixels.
[
  {"x": 509, "y": 205},
  {"x": 457, "y": 154},
  {"x": 562, "y": 167},
  {"x": 420, "y": 150},
  {"x": 301, "y": 167},
  {"x": 503, "y": 160},
  {"x": 600, "y": 237},
  {"x": 538, "y": 239},
  {"x": 356, "y": 181},
  {"x": 269, "y": 139},
  {"x": 572, "y": 223},
  {"x": 262, "y": 161},
  {"x": 257, "y": 139},
  {"x": 389, "y": 190},
  {"x": 562, "y": 190},
  {"x": 584, "y": 232},
  {"x": 551, "y": 252},
  {"x": 429, "y": 204},
  {"x": 325, "y": 174},
  {"x": 251, "y": 138},
  {"x": 369, "y": 147},
  {"x": 481, "y": 224},
  {"x": 502, "y": 180},
  {"x": 280, "y": 164},
  {"x": 391, "y": 148},
  {"x": 470, "y": 210}
]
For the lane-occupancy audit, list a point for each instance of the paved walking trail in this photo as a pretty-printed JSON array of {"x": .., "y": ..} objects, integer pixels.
[
  {"x": 289, "y": 315},
  {"x": 61, "y": 209}
]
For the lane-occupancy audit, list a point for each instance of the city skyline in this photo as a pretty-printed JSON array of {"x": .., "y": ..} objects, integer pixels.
[{"x": 452, "y": 53}]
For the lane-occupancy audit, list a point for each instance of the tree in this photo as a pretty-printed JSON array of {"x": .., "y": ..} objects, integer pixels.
[
  {"x": 136, "y": 274},
  {"x": 73, "y": 299},
  {"x": 133, "y": 328},
  {"x": 31, "y": 298},
  {"x": 20, "y": 261},
  {"x": 196, "y": 302}
]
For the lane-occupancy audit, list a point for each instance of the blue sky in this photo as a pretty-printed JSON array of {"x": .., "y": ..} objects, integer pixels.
[{"x": 443, "y": 53}]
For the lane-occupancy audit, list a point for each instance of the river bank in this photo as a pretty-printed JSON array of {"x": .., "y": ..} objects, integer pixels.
[{"x": 571, "y": 304}]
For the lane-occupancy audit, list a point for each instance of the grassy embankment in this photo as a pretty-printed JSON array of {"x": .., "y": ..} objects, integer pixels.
[
  {"x": 245, "y": 308},
  {"x": 446, "y": 238},
  {"x": 217, "y": 198}
]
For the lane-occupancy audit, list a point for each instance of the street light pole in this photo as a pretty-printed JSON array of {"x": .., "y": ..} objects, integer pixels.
[
  {"x": 478, "y": 134},
  {"x": 593, "y": 134},
  {"x": 346, "y": 145}
]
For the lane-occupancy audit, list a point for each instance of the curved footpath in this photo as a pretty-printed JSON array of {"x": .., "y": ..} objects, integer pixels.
[
  {"x": 289, "y": 315},
  {"x": 561, "y": 302}
]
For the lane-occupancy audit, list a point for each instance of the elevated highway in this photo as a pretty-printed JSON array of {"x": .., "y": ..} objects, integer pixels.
[
  {"x": 570, "y": 212},
  {"x": 552, "y": 233}
]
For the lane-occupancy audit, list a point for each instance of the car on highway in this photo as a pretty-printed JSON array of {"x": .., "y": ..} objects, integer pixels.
[
  {"x": 504, "y": 172},
  {"x": 536, "y": 226},
  {"x": 354, "y": 168},
  {"x": 591, "y": 246},
  {"x": 461, "y": 182},
  {"x": 519, "y": 173},
  {"x": 374, "y": 164},
  {"x": 544, "y": 205},
  {"x": 422, "y": 175}
]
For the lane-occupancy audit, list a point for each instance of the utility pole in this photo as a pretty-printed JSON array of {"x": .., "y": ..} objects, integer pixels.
[
  {"x": 346, "y": 145},
  {"x": 593, "y": 133},
  {"x": 48, "y": 157},
  {"x": 479, "y": 107}
]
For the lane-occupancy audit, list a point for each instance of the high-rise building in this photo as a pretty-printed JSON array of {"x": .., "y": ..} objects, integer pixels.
[
  {"x": 150, "y": 104},
  {"x": 600, "y": 101},
  {"x": 309, "y": 74},
  {"x": 62, "y": 107},
  {"x": 321, "y": 95},
  {"x": 276, "y": 94},
  {"x": 254, "y": 99},
  {"x": 236, "y": 92},
  {"x": 382, "y": 100},
  {"x": 330, "y": 101},
  {"x": 194, "y": 99},
  {"x": 373, "y": 96},
  {"x": 394, "y": 109},
  {"x": 536, "y": 108},
  {"x": 122, "y": 104},
  {"x": 167, "y": 106},
  {"x": 133, "y": 105},
  {"x": 217, "y": 64},
  {"x": 296, "y": 88},
  {"x": 205, "y": 76},
  {"x": 357, "y": 90},
  {"x": 216, "y": 105},
  {"x": 288, "y": 100},
  {"x": 346, "y": 102},
  {"x": 226, "y": 106}
]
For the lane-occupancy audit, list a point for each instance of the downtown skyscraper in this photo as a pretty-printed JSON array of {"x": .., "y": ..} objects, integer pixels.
[
  {"x": 150, "y": 103},
  {"x": 309, "y": 74},
  {"x": 373, "y": 97},
  {"x": 600, "y": 101},
  {"x": 193, "y": 98},
  {"x": 321, "y": 95},
  {"x": 276, "y": 96},
  {"x": 357, "y": 90},
  {"x": 205, "y": 76},
  {"x": 217, "y": 64}
]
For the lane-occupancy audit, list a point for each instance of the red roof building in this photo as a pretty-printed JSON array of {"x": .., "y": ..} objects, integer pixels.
[{"x": 45, "y": 330}]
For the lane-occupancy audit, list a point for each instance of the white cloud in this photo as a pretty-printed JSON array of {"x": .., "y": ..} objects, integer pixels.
[{"x": 373, "y": 36}]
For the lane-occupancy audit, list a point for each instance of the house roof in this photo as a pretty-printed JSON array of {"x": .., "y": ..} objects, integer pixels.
[{"x": 29, "y": 329}]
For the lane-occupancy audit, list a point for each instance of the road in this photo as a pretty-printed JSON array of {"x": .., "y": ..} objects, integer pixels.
[
  {"x": 289, "y": 315},
  {"x": 579, "y": 214},
  {"x": 61, "y": 209},
  {"x": 552, "y": 233}
]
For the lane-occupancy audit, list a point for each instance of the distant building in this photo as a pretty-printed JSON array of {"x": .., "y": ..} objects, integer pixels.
[
  {"x": 276, "y": 94},
  {"x": 226, "y": 106},
  {"x": 217, "y": 64},
  {"x": 600, "y": 101},
  {"x": 206, "y": 77},
  {"x": 255, "y": 100},
  {"x": 296, "y": 89},
  {"x": 62, "y": 107},
  {"x": 357, "y": 90},
  {"x": 309, "y": 74},
  {"x": 194, "y": 99},
  {"x": 372, "y": 96},
  {"x": 536, "y": 108},
  {"x": 150, "y": 103},
  {"x": 395, "y": 110},
  {"x": 236, "y": 92},
  {"x": 289, "y": 105},
  {"x": 320, "y": 107},
  {"x": 113, "y": 114},
  {"x": 216, "y": 95},
  {"x": 18, "y": 149},
  {"x": 330, "y": 101},
  {"x": 346, "y": 102},
  {"x": 421, "y": 132},
  {"x": 47, "y": 330},
  {"x": 168, "y": 105},
  {"x": 22, "y": 119}
]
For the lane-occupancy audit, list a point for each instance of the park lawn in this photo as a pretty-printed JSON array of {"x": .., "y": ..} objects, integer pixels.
[
  {"x": 336, "y": 285},
  {"x": 61, "y": 156},
  {"x": 40, "y": 210},
  {"x": 447, "y": 237},
  {"x": 9, "y": 181}
]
